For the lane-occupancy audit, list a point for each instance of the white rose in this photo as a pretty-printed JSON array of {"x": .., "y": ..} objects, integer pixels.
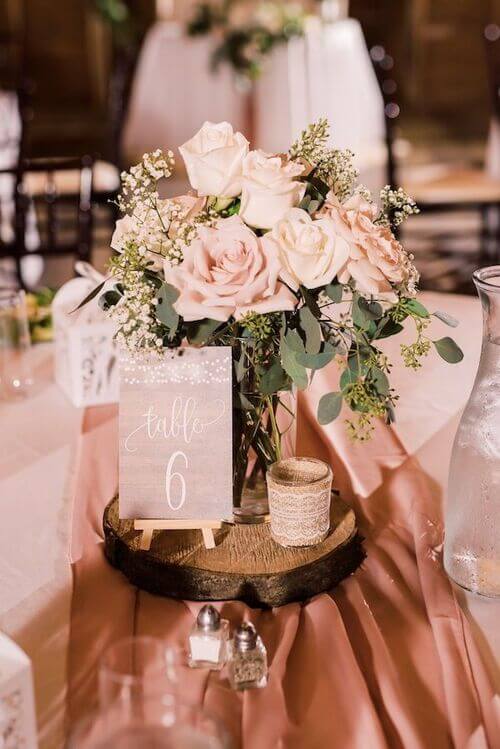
[
  {"x": 214, "y": 160},
  {"x": 269, "y": 189},
  {"x": 311, "y": 251}
]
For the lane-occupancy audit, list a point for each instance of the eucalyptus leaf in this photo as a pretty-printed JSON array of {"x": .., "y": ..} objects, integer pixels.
[
  {"x": 380, "y": 381},
  {"x": 273, "y": 379},
  {"x": 348, "y": 377},
  {"x": 387, "y": 328},
  {"x": 449, "y": 350},
  {"x": 90, "y": 296},
  {"x": 416, "y": 308},
  {"x": 372, "y": 310},
  {"x": 446, "y": 318},
  {"x": 312, "y": 330},
  {"x": 295, "y": 342},
  {"x": 167, "y": 296},
  {"x": 357, "y": 365},
  {"x": 200, "y": 332},
  {"x": 315, "y": 361},
  {"x": 334, "y": 291},
  {"x": 240, "y": 368},
  {"x": 329, "y": 408},
  {"x": 297, "y": 372},
  {"x": 359, "y": 317}
]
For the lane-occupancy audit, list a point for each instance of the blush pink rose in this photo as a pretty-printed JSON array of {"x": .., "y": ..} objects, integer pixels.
[
  {"x": 377, "y": 261},
  {"x": 226, "y": 272}
]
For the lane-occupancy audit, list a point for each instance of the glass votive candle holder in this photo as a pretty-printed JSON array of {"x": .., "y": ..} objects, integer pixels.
[
  {"x": 134, "y": 669},
  {"x": 159, "y": 723},
  {"x": 299, "y": 492}
]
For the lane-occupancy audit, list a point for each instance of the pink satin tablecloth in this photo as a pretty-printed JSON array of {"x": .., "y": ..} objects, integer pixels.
[{"x": 387, "y": 659}]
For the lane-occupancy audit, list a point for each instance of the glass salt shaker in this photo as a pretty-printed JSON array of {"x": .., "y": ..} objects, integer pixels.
[
  {"x": 248, "y": 664},
  {"x": 208, "y": 640}
]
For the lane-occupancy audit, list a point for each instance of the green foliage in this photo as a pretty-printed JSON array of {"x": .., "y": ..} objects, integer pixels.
[
  {"x": 329, "y": 408},
  {"x": 167, "y": 296},
  {"x": 448, "y": 350}
]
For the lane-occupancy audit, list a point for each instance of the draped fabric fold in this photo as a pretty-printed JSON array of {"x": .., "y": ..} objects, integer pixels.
[{"x": 388, "y": 658}]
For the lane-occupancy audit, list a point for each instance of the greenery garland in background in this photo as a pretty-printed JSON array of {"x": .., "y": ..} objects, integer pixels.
[{"x": 247, "y": 32}]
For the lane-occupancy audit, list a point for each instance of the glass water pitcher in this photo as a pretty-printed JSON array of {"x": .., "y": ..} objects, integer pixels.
[{"x": 472, "y": 529}]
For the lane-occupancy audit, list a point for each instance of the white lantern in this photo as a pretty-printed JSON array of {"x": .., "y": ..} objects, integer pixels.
[
  {"x": 17, "y": 703},
  {"x": 86, "y": 357}
]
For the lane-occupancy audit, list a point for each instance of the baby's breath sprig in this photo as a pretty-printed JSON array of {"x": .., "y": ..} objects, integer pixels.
[
  {"x": 134, "y": 313},
  {"x": 396, "y": 207},
  {"x": 336, "y": 169},
  {"x": 139, "y": 183}
]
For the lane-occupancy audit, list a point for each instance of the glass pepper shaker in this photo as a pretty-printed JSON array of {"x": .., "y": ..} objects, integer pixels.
[
  {"x": 208, "y": 640},
  {"x": 248, "y": 664}
]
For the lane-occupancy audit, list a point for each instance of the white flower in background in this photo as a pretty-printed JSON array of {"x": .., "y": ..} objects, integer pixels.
[
  {"x": 311, "y": 251},
  {"x": 269, "y": 15},
  {"x": 214, "y": 160},
  {"x": 269, "y": 189}
]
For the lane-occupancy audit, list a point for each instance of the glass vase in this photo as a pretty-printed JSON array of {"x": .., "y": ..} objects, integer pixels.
[
  {"x": 264, "y": 431},
  {"x": 472, "y": 529}
]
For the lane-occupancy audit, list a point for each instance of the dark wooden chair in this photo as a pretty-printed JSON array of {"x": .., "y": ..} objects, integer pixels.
[
  {"x": 64, "y": 219},
  {"x": 452, "y": 189}
]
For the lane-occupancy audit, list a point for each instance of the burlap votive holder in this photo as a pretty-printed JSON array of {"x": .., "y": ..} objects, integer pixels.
[{"x": 299, "y": 493}]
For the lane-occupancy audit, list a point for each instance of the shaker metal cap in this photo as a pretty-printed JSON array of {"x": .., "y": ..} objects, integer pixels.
[
  {"x": 245, "y": 637},
  {"x": 208, "y": 618}
]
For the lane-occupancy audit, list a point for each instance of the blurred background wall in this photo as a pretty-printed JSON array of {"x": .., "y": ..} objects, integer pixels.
[{"x": 436, "y": 45}]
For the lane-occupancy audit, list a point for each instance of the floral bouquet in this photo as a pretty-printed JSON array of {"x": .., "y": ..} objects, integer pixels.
[
  {"x": 247, "y": 31},
  {"x": 285, "y": 259}
]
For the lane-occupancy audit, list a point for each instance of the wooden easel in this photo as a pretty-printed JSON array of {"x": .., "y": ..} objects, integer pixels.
[{"x": 148, "y": 527}]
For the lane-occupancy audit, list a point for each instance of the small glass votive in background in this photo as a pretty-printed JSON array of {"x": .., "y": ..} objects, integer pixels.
[
  {"x": 134, "y": 669},
  {"x": 159, "y": 724},
  {"x": 16, "y": 375},
  {"x": 299, "y": 492}
]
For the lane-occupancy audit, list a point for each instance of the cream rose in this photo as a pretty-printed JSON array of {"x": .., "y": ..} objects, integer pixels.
[
  {"x": 269, "y": 189},
  {"x": 226, "y": 272},
  {"x": 214, "y": 160},
  {"x": 377, "y": 261},
  {"x": 311, "y": 251}
]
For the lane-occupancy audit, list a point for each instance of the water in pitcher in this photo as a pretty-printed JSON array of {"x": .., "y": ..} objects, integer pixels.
[{"x": 472, "y": 534}]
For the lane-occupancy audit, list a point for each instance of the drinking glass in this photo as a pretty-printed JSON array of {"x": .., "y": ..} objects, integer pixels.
[
  {"x": 16, "y": 376},
  {"x": 133, "y": 669},
  {"x": 158, "y": 724}
]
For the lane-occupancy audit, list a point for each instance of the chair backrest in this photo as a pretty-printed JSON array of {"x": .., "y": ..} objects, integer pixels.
[
  {"x": 15, "y": 102},
  {"x": 383, "y": 65},
  {"x": 51, "y": 208},
  {"x": 492, "y": 48},
  {"x": 123, "y": 66}
]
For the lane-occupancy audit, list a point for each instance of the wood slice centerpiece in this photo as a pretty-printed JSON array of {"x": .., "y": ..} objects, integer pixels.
[{"x": 246, "y": 565}]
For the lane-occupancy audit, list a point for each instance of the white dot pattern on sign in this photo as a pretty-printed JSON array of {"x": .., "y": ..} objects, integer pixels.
[{"x": 175, "y": 369}]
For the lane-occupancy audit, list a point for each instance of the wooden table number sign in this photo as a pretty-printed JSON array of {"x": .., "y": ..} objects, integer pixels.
[{"x": 176, "y": 441}]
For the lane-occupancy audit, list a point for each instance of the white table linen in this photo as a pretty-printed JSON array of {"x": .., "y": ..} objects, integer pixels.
[{"x": 174, "y": 92}]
